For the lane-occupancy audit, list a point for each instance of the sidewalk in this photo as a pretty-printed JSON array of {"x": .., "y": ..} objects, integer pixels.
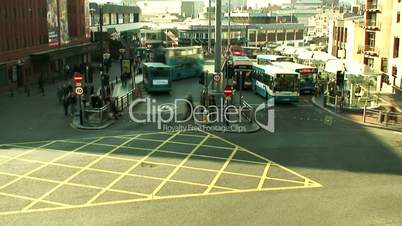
[
  {"x": 393, "y": 100},
  {"x": 352, "y": 116}
]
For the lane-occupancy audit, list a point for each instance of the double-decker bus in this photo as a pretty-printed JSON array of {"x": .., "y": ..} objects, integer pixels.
[
  {"x": 157, "y": 77},
  {"x": 274, "y": 82},
  {"x": 268, "y": 59},
  {"x": 186, "y": 62},
  {"x": 308, "y": 75},
  {"x": 242, "y": 69}
]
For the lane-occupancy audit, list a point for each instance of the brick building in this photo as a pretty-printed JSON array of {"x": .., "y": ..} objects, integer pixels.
[{"x": 39, "y": 37}]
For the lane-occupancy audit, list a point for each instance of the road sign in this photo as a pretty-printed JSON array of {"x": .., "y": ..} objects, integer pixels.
[
  {"x": 217, "y": 77},
  {"x": 79, "y": 91},
  {"x": 228, "y": 91},
  {"x": 78, "y": 77}
]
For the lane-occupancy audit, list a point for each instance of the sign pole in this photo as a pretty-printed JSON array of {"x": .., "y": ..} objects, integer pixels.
[{"x": 81, "y": 112}]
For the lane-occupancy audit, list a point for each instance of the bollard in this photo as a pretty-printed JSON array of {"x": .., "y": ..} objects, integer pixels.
[
  {"x": 364, "y": 113},
  {"x": 122, "y": 104},
  {"x": 379, "y": 117},
  {"x": 11, "y": 91}
]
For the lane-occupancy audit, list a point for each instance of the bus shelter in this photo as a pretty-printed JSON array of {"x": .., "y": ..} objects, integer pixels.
[{"x": 359, "y": 85}]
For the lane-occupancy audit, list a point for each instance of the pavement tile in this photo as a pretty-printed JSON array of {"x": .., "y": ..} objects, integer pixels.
[
  {"x": 245, "y": 168},
  {"x": 43, "y": 155},
  {"x": 8, "y": 203},
  {"x": 156, "y": 136},
  {"x": 64, "y": 146},
  {"x": 180, "y": 148},
  {"x": 218, "y": 142},
  {"x": 94, "y": 178},
  {"x": 163, "y": 157},
  {"x": 36, "y": 188},
  {"x": 112, "y": 140},
  {"x": 277, "y": 172},
  {"x": 54, "y": 172},
  {"x": 111, "y": 196},
  {"x": 137, "y": 184},
  {"x": 206, "y": 163},
  {"x": 187, "y": 139},
  {"x": 279, "y": 184},
  {"x": 76, "y": 159},
  {"x": 152, "y": 170},
  {"x": 213, "y": 152},
  {"x": 243, "y": 155},
  {"x": 195, "y": 176},
  {"x": 96, "y": 149},
  {"x": 11, "y": 151},
  {"x": 44, "y": 205},
  {"x": 115, "y": 165},
  {"x": 237, "y": 182},
  {"x": 72, "y": 195},
  {"x": 130, "y": 153},
  {"x": 173, "y": 188},
  {"x": 143, "y": 144},
  {"x": 19, "y": 167},
  {"x": 4, "y": 179}
]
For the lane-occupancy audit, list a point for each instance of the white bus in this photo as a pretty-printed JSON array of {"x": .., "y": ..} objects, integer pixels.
[
  {"x": 268, "y": 59},
  {"x": 274, "y": 82},
  {"x": 242, "y": 70},
  {"x": 308, "y": 75}
]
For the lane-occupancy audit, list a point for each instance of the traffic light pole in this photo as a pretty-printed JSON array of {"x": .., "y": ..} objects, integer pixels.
[
  {"x": 101, "y": 34},
  {"x": 218, "y": 37}
]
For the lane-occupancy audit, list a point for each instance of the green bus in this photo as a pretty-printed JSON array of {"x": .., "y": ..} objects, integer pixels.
[
  {"x": 157, "y": 77},
  {"x": 187, "y": 62}
]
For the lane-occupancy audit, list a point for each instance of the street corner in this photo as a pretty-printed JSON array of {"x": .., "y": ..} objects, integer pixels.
[{"x": 80, "y": 173}]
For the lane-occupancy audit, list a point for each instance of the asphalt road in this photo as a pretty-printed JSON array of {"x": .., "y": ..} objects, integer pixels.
[{"x": 359, "y": 170}]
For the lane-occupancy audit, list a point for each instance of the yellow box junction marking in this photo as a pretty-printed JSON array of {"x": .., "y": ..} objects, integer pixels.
[{"x": 196, "y": 140}]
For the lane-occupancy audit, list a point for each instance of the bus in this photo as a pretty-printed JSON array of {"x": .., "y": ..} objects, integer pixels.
[
  {"x": 274, "y": 82},
  {"x": 157, "y": 77},
  {"x": 187, "y": 62},
  {"x": 242, "y": 68},
  {"x": 268, "y": 59},
  {"x": 308, "y": 75},
  {"x": 252, "y": 52},
  {"x": 236, "y": 50}
]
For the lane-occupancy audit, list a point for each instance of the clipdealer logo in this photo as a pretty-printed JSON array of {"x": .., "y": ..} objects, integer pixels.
[{"x": 163, "y": 114}]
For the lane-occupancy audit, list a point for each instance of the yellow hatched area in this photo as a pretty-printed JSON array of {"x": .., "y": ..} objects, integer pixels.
[{"x": 78, "y": 173}]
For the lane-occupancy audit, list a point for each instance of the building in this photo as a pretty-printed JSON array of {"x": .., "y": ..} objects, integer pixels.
[
  {"x": 39, "y": 38},
  {"x": 191, "y": 8},
  {"x": 114, "y": 14},
  {"x": 345, "y": 36},
  {"x": 379, "y": 46},
  {"x": 395, "y": 58},
  {"x": 117, "y": 19}
]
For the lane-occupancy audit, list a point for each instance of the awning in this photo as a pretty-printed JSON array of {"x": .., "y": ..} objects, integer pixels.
[{"x": 65, "y": 51}]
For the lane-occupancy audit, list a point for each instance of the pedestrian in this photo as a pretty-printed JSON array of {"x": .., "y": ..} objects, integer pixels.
[
  {"x": 66, "y": 102},
  {"x": 73, "y": 103},
  {"x": 41, "y": 85}
]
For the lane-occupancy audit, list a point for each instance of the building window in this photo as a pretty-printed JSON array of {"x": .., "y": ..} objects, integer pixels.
[
  {"x": 396, "y": 47},
  {"x": 384, "y": 65},
  {"x": 398, "y": 17}
]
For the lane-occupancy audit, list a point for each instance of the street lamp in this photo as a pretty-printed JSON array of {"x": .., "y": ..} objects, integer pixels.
[{"x": 100, "y": 30}]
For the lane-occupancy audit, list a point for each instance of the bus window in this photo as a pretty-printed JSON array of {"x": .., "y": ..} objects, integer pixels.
[{"x": 286, "y": 82}]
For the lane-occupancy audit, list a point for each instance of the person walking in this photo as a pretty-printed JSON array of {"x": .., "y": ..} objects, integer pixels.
[
  {"x": 66, "y": 102},
  {"x": 41, "y": 85}
]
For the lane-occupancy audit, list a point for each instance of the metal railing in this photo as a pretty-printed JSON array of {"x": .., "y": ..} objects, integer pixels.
[
  {"x": 372, "y": 24},
  {"x": 369, "y": 50},
  {"x": 382, "y": 117},
  {"x": 97, "y": 115},
  {"x": 123, "y": 102}
]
